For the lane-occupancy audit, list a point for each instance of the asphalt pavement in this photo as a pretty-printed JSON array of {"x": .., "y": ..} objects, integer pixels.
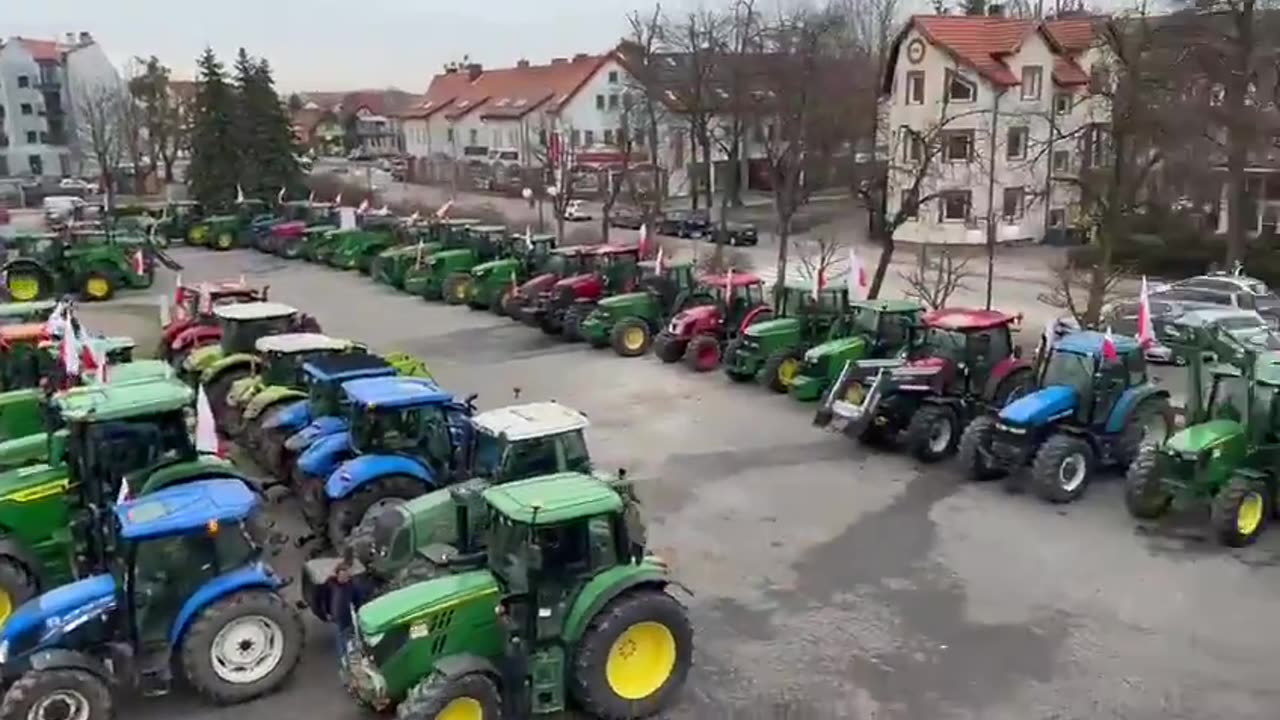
[{"x": 831, "y": 581}]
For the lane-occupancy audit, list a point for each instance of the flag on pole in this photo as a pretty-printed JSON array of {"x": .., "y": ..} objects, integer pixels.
[
  {"x": 337, "y": 202},
  {"x": 177, "y": 291},
  {"x": 56, "y": 324},
  {"x": 280, "y": 195},
  {"x": 858, "y": 285},
  {"x": 69, "y": 351},
  {"x": 1146, "y": 331},
  {"x": 528, "y": 238},
  {"x": 444, "y": 209},
  {"x": 819, "y": 283},
  {"x": 515, "y": 283},
  {"x": 206, "y": 432},
  {"x": 384, "y": 210},
  {"x": 1109, "y": 353},
  {"x": 657, "y": 262},
  {"x": 311, "y": 199},
  {"x": 206, "y": 300},
  {"x": 413, "y": 219},
  {"x": 644, "y": 241},
  {"x": 139, "y": 263},
  {"x": 728, "y": 285},
  {"x": 364, "y": 206},
  {"x": 242, "y": 282},
  {"x": 239, "y": 193}
]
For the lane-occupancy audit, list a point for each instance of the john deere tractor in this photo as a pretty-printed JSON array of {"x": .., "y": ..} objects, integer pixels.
[
  {"x": 177, "y": 219},
  {"x": 377, "y": 233},
  {"x": 449, "y": 271},
  {"x": 872, "y": 329},
  {"x": 627, "y": 322},
  {"x": 1226, "y": 456},
  {"x": 1093, "y": 408},
  {"x": 493, "y": 281},
  {"x": 405, "y": 268},
  {"x": 771, "y": 351},
  {"x": 565, "y": 608},
  {"x": 226, "y": 231},
  {"x": 95, "y": 269}
]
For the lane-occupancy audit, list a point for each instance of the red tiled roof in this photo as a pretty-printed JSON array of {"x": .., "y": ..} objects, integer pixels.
[
  {"x": 506, "y": 92},
  {"x": 42, "y": 50},
  {"x": 1066, "y": 72},
  {"x": 1074, "y": 35},
  {"x": 982, "y": 42}
]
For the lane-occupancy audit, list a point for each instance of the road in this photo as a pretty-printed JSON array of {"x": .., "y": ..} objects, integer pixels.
[{"x": 830, "y": 581}]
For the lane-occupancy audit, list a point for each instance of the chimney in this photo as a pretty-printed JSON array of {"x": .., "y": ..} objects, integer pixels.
[
  {"x": 522, "y": 63},
  {"x": 85, "y": 38},
  {"x": 559, "y": 61},
  {"x": 995, "y": 10},
  {"x": 473, "y": 71},
  {"x": 579, "y": 57}
]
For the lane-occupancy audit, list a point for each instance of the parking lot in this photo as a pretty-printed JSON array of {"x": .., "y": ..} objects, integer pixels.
[{"x": 830, "y": 581}]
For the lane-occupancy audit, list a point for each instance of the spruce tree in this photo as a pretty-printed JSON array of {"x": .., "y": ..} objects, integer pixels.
[
  {"x": 215, "y": 156},
  {"x": 269, "y": 148}
]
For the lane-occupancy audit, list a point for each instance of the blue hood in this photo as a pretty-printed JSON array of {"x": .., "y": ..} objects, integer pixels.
[
  {"x": 1040, "y": 406},
  {"x": 60, "y": 607},
  {"x": 316, "y": 429},
  {"x": 289, "y": 418},
  {"x": 325, "y": 454}
]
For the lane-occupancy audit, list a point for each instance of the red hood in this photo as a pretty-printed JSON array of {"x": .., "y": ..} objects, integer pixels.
[
  {"x": 574, "y": 280},
  {"x": 926, "y": 362},
  {"x": 295, "y": 228},
  {"x": 537, "y": 284},
  {"x": 701, "y": 312}
]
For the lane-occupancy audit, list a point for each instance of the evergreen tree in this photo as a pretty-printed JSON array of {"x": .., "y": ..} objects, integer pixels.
[
  {"x": 268, "y": 146},
  {"x": 215, "y": 160}
]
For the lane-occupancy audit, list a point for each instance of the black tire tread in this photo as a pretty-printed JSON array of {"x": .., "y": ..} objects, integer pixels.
[
  {"x": 769, "y": 373},
  {"x": 1048, "y": 461},
  {"x": 916, "y": 437},
  {"x": 23, "y": 693},
  {"x": 1225, "y": 506},
  {"x": 197, "y": 668},
  {"x": 340, "y": 524},
  {"x": 974, "y": 441},
  {"x": 619, "y": 332},
  {"x": 1141, "y": 483},
  {"x": 427, "y": 699}
]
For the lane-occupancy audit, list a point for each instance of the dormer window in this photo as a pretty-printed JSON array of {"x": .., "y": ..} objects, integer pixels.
[{"x": 960, "y": 89}]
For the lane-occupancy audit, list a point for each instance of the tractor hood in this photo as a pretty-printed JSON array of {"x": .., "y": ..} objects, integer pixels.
[
  {"x": 292, "y": 229},
  {"x": 317, "y": 428},
  {"x": 60, "y": 607},
  {"x": 485, "y": 268},
  {"x": 832, "y": 347},
  {"x": 32, "y": 481},
  {"x": 624, "y": 300},
  {"x": 537, "y": 284},
  {"x": 17, "y": 452},
  {"x": 1040, "y": 407},
  {"x": 1202, "y": 436},
  {"x": 702, "y": 312},
  {"x": 574, "y": 280},
  {"x": 202, "y": 358},
  {"x": 396, "y": 608},
  {"x": 775, "y": 327}
]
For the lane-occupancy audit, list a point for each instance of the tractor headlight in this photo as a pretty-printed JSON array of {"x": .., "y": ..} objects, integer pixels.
[{"x": 811, "y": 357}]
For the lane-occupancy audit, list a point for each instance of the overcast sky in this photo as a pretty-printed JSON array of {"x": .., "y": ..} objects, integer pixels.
[{"x": 332, "y": 45}]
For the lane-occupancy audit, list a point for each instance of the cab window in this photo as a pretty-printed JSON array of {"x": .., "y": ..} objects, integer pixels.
[{"x": 574, "y": 447}]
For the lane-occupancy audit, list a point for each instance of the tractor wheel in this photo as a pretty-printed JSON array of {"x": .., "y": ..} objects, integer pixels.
[
  {"x": 975, "y": 446},
  {"x": 362, "y": 505},
  {"x": 498, "y": 306},
  {"x": 932, "y": 433},
  {"x": 631, "y": 338},
  {"x": 217, "y": 391},
  {"x": 551, "y": 323},
  {"x": 225, "y": 240},
  {"x": 1241, "y": 511},
  {"x": 25, "y": 284},
  {"x": 290, "y": 250},
  {"x": 1145, "y": 495},
  {"x": 242, "y": 646},
  {"x": 97, "y": 286},
  {"x": 731, "y": 350},
  {"x": 1150, "y": 424},
  {"x": 1062, "y": 468},
  {"x": 508, "y": 304},
  {"x": 573, "y": 318},
  {"x": 703, "y": 353},
  {"x": 669, "y": 348},
  {"x": 634, "y": 657},
  {"x": 57, "y": 693},
  {"x": 455, "y": 289},
  {"x": 470, "y": 695},
  {"x": 17, "y": 585},
  {"x": 781, "y": 368}
]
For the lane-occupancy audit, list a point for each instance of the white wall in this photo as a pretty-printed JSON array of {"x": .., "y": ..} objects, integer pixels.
[
  {"x": 16, "y": 61},
  {"x": 88, "y": 73}
]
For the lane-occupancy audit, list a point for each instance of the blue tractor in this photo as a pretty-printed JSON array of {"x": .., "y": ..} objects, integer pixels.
[
  {"x": 406, "y": 437},
  {"x": 288, "y": 432},
  {"x": 186, "y": 590},
  {"x": 1094, "y": 408}
]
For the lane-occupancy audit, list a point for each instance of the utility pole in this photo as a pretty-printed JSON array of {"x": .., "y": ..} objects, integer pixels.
[{"x": 991, "y": 194}]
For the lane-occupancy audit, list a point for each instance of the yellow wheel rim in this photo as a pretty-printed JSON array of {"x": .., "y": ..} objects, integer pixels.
[
  {"x": 633, "y": 338},
  {"x": 855, "y": 393},
  {"x": 1249, "y": 516},
  {"x": 224, "y": 240},
  {"x": 463, "y": 708},
  {"x": 641, "y": 660},
  {"x": 97, "y": 287},
  {"x": 6, "y": 606},
  {"x": 788, "y": 370},
  {"x": 23, "y": 288},
  {"x": 197, "y": 233},
  {"x": 460, "y": 291}
]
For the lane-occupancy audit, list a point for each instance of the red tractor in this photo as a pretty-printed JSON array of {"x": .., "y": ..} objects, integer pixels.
[
  {"x": 523, "y": 303},
  {"x": 613, "y": 268},
  {"x": 191, "y": 322},
  {"x": 716, "y": 312}
]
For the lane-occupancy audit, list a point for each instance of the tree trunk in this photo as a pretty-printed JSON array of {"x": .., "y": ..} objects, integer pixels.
[
  {"x": 887, "y": 246},
  {"x": 784, "y": 240},
  {"x": 1237, "y": 88}
]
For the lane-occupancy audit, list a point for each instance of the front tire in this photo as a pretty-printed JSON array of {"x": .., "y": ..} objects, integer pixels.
[
  {"x": 60, "y": 693},
  {"x": 217, "y": 392},
  {"x": 1241, "y": 511},
  {"x": 633, "y": 658},
  {"x": 572, "y": 319},
  {"x": 1145, "y": 496},
  {"x": 470, "y": 695},
  {"x": 975, "y": 448},
  {"x": 361, "y": 505},
  {"x": 669, "y": 348},
  {"x": 703, "y": 354},
  {"x": 1062, "y": 468},
  {"x": 455, "y": 289},
  {"x": 1150, "y": 424},
  {"x": 932, "y": 433},
  {"x": 97, "y": 286},
  {"x": 780, "y": 369},
  {"x": 242, "y": 647},
  {"x": 631, "y": 338}
]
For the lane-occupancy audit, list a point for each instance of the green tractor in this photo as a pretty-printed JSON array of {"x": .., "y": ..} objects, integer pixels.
[
  {"x": 21, "y": 313},
  {"x": 28, "y": 356},
  {"x": 178, "y": 220},
  {"x": 510, "y": 444},
  {"x": 871, "y": 329},
  {"x": 1227, "y": 455},
  {"x": 771, "y": 351},
  {"x": 449, "y": 271},
  {"x": 224, "y": 232},
  {"x": 114, "y": 440},
  {"x": 489, "y": 283},
  {"x": 276, "y": 377},
  {"x": 93, "y": 267},
  {"x": 627, "y": 322},
  {"x": 565, "y": 608},
  {"x": 404, "y": 268},
  {"x": 357, "y": 251}
]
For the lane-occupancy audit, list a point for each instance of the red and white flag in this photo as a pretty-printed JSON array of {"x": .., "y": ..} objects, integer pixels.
[
  {"x": 657, "y": 262},
  {"x": 311, "y": 199},
  {"x": 1146, "y": 331},
  {"x": 858, "y": 284},
  {"x": 206, "y": 300},
  {"x": 69, "y": 351},
  {"x": 206, "y": 433},
  {"x": 1109, "y": 347},
  {"x": 139, "y": 263},
  {"x": 337, "y": 202},
  {"x": 444, "y": 209},
  {"x": 239, "y": 194},
  {"x": 280, "y": 195},
  {"x": 819, "y": 283},
  {"x": 364, "y": 206},
  {"x": 728, "y": 285},
  {"x": 177, "y": 290},
  {"x": 644, "y": 241}
]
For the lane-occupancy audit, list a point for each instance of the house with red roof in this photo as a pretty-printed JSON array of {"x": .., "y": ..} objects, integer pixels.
[{"x": 974, "y": 105}]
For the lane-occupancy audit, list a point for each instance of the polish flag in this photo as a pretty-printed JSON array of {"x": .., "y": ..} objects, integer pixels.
[
  {"x": 206, "y": 300},
  {"x": 644, "y": 241},
  {"x": 858, "y": 285},
  {"x": 364, "y": 206},
  {"x": 280, "y": 195},
  {"x": 57, "y": 322},
  {"x": 311, "y": 199},
  {"x": 1146, "y": 331},
  {"x": 177, "y": 290},
  {"x": 206, "y": 433},
  {"x": 528, "y": 238},
  {"x": 819, "y": 283},
  {"x": 139, "y": 263},
  {"x": 444, "y": 209},
  {"x": 69, "y": 351},
  {"x": 1109, "y": 347},
  {"x": 337, "y": 202},
  {"x": 657, "y": 262},
  {"x": 239, "y": 193},
  {"x": 728, "y": 285}
]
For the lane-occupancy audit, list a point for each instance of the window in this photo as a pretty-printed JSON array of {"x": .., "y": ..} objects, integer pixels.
[
  {"x": 915, "y": 87},
  {"x": 608, "y": 137},
  {"x": 1061, "y": 160},
  {"x": 44, "y": 137},
  {"x": 912, "y": 146},
  {"x": 26, "y": 108},
  {"x": 1062, "y": 103},
  {"x": 910, "y": 208},
  {"x": 574, "y": 139},
  {"x": 589, "y": 137},
  {"x": 954, "y": 206},
  {"x": 1057, "y": 217},
  {"x": 1016, "y": 145},
  {"x": 31, "y": 137},
  {"x": 36, "y": 164},
  {"x": 448, "y": 134},
  {"x": 1031, "y": 77},
  {"x": 613, "y": 77},
  {"x": 474, "y": 137},
  {"x": 24, "y": 81},
  {"x": 599, "y": 102},
  {"x": 957, "y": 146},
  {"x": 960, "y": 89},
  {"x": 1014, "y": 201},
  {"x": 613, "y": 101}
]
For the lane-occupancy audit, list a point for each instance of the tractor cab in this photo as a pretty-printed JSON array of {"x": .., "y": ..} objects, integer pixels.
[
  {"x": 870, "y": 329},
  {"x": 521, "y": 441},
  {"x": 492, "y": 280},
  {"x": 613, "y": 269},
  {"x": 772, "y": 350},
  {"x": 279, "y": 360},
  {"x": 241, "y": 325},
  {"x": 716, "y": 311},
  {"x": 395, "y": 415},
  {"x": 550, "y": 545},
  {"x": 628, "y": 321},
  {"x": 1079, "y": 376}
]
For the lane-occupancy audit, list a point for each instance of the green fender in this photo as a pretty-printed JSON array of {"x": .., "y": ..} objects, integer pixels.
[
  {"x": 179, "y": 472},
  {"x": 267, "y": 397},
  {"x": 408, "y": 365},
  {"x": 226, "y": 363},
  {"x": 243, "y": 391},
  {"x": 201, "y": 359},
  {"x": 608, "y": 585}
]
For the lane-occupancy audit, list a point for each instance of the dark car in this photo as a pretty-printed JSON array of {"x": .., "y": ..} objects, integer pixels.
[
  {"x": 685, "y": 223},
  {"x": 738, "y": 234},
  {"x": 627, "y": 218}
]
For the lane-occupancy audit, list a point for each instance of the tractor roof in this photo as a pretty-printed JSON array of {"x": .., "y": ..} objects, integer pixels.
[
  {"x": 520, "y": 422},
  {"x": 394, "y": 392},
  {"x": 111, "y": 343},
  {"x": 136, "y": 371},
  {"x": 554, "y": 499},
  {"x": 1208, "y": 316},
  {"x": 254, "y": 311},
  {"x": 460, "y": 222},
  {"x": 535, "y": 237},
  {"x": 1090, "y": 342},
  {"x": 652, "y": 265},
  {"x": 740, "y": 279},
  {"x": 967, "y": 319},
  {"x": 347, "y": 366},
  {"x": 186, "y": 507},
  {"x": 27, "y": 309},
  {"x": 574, "y": 250},
  {"x": 116, "y": 401},
  {"x": 612, "y": 249},
  {"x": 290, "y": 343},
  {"x": 489, "y": 228},
  {"x": 889, "y": 306}
]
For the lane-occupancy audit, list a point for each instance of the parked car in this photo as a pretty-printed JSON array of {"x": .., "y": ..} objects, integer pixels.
[
  {"x": 63, "y": 208},
  {"x": 738, "y": 234},
  {"x": 626, "y": 217},
  {"x": 576, "y": 211},
  {"x": 1227, "y": 295},
  {"x": 77, "y": 186},
  {"x": 685, "y": 223}
]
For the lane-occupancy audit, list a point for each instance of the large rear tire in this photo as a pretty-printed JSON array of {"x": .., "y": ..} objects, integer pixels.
[
  {"x": 1062, "y": 468},
  {"x": 455, "y": 289},
  {"x": 703, "y": 354},
  {"x": 1151, "y": 423},
  {"x": 242, "y": 646},
  {"x": 1145, "y": 496},
  {"x": 669, "y": 348},
  {"x": 932, "y": 433},
  {"x": 361, "y": 505},
  {"x": 17, "y": 585},
  {"x": 975, "y": 448},
  {"x": 217, "y": 391},
  {"x": 58, "y": 693},
  {"x": 472, "y": 695},
  {"x": 97, "y": 286}
]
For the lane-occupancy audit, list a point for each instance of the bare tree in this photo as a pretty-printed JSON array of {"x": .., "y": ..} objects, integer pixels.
[
  {"x": 162, "y": 114},
  {"x": 558, "y": 160},
  {"x": 101, "y": 130},
  {"x": 693, "y": 42},
  {"x": 1075, "y": 284},
  {"x": 620, "y": 176},
  {"x": 641, "y": 52},
  {"x": 735, "y": 81},
  {"x": 823, "y": 257},
  {"x": 936, "y": 276}
]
